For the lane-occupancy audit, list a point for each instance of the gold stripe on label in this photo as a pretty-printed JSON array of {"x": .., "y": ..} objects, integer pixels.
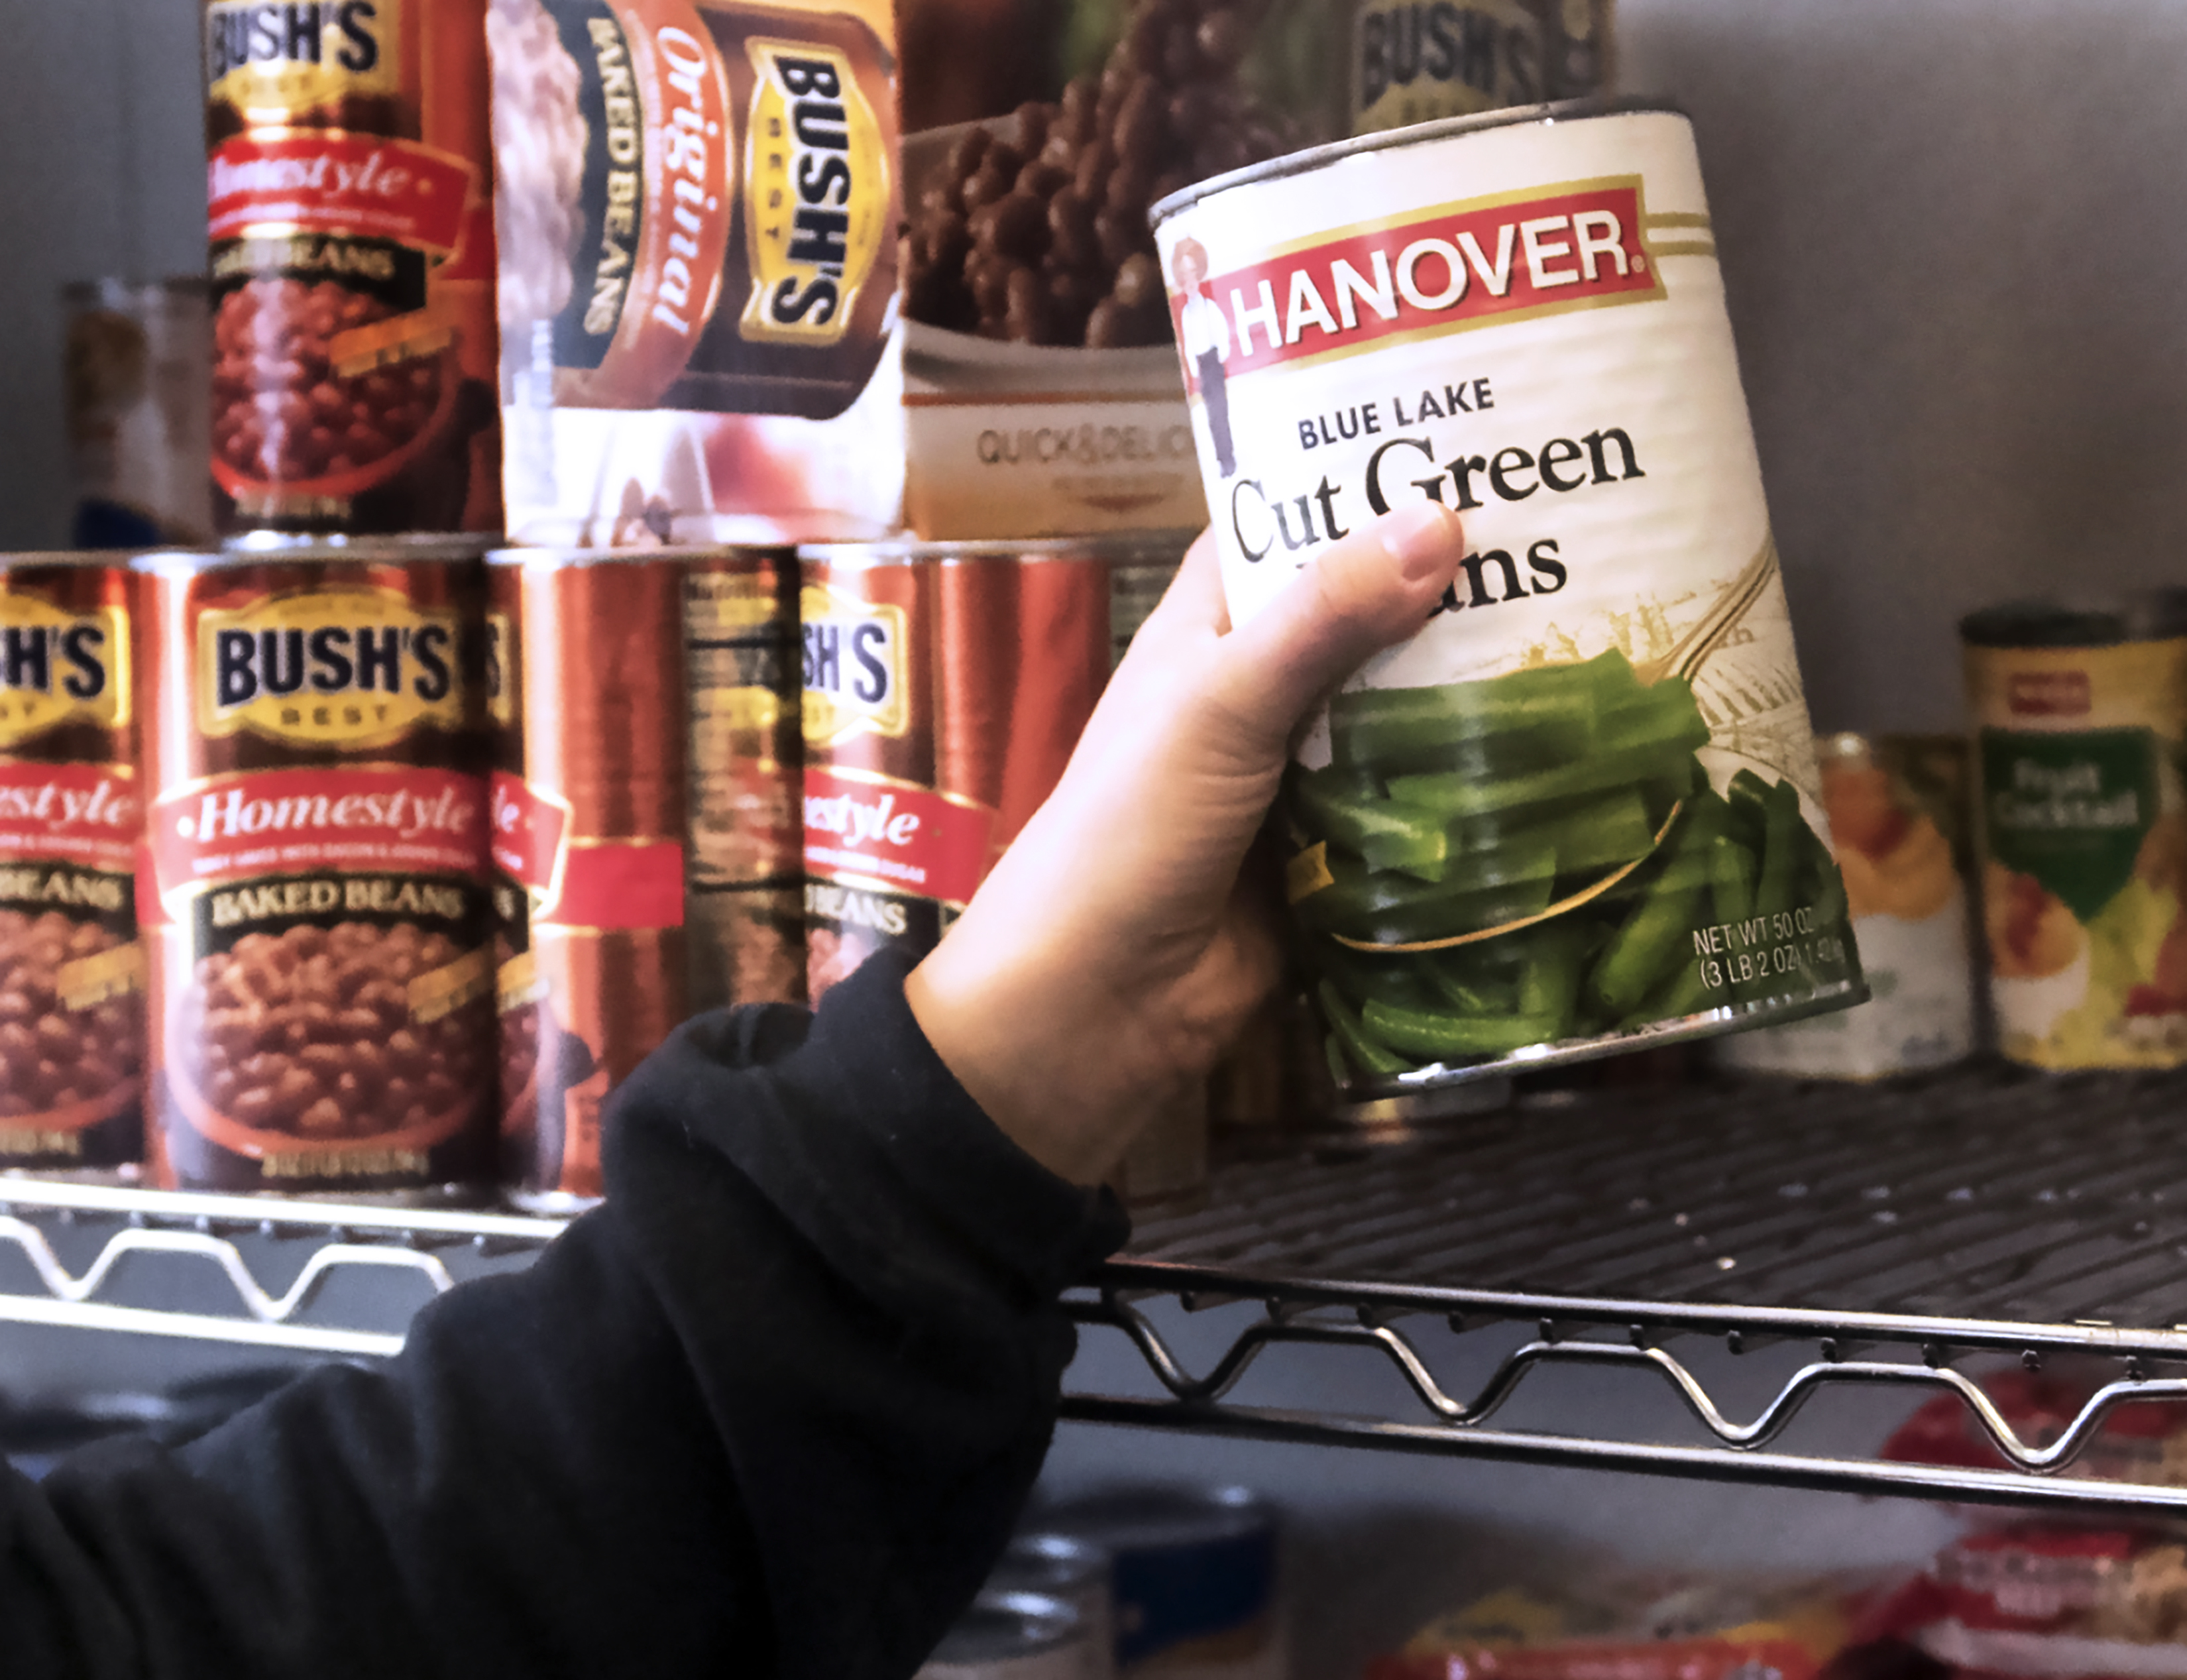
[
  {"x": 1683, "y": 248},
  {"x": 1676, "y": 218},
  {"x": 519, "y": 982},
  {"x": 404, "y": 338},
  {"x": 89, "y": 981},
  {"x": 447, "y": 988}
]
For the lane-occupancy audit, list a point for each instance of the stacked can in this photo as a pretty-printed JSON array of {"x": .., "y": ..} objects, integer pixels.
[
  {"x": 72, "y": 974},
  {"x": 2080, "y": 712},
  {"x": 590, "y": 804},
  {"x": 945, "y": 685},
  {"x": 314, "y": 898},
  {"x": 350, "y": 227},
  {"x": 746, "y": 902},
  {"x": 1012, "y": 1636},
  {"x": 1897, "y": 806}
]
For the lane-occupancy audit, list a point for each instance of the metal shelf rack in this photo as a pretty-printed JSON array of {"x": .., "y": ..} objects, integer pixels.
[
  {"x": 1741, "y": 1249},
  {"x": 1908, "y": 1236}
]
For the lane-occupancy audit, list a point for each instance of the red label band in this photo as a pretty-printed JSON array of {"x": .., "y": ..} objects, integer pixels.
[
  {"x": 286, "y": 821},
  {"x": 913, "y": 841},
  {"x": 77, "y": 813},
  {"x": 329, "y": 183},
  {"x": 1432, "y": 275},
  {"x": 608, "y": 885}
]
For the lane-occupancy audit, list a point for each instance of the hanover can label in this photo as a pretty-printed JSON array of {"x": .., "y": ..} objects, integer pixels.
[
  {"x": 316, "y": 889},
  {"x": 72, "y": 973},
  {"x": 1579, "y": 811}
]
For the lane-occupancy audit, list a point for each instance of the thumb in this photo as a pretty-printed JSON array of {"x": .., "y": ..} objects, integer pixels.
[{"x": 1366, "y": 593}]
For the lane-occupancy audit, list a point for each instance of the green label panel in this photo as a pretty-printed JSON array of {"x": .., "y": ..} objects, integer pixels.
[{"x": 2071, "y": 810}]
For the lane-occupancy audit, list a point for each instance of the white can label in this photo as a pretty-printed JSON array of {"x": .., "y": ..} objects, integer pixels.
[{"x": 1526, "y": 323}]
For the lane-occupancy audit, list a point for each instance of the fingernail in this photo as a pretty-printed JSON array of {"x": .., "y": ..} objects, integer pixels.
[{"x": 1422, "y": 539}]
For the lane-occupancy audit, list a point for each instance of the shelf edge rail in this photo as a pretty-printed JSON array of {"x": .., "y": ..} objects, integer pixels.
[{"x": 1569, "y": 1331}]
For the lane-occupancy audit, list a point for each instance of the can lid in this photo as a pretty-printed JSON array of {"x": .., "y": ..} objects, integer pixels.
[
  {"x": 1049, "y": 1562},
  {"x": 1148, "y": 1519},
  {"x": 1134, "y": 547},
  {"x": 2099, "y": 622},
  {"x": 562, "y": 559},
  {"x": 262, "y": 548},
  {"x": 1002, "y": 1625},
  {"x": 48, "y": 557},
  {"x": 1443, "y": 128}
]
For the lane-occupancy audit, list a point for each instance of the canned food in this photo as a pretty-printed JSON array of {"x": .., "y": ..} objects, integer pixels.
[
  {"x": 1012, "y": 1636},
  {"x": 1414, "y": 61},
  {"x": 746, "y": 904},
  {"x": 72, "y": 973},
  {"x": 318, "y": 924},
  {"x": 945, "y": 685},
  {"x": 2080, "y": 712},
  {"x": 351, "y": 235},
  {"x": 699, "y": 199},
  {"x": 1197, "y": 1579},
  {"x": 137, "y": 366},
  {"x": 1897, "y": 806},
  {"x": 1075, "y": 1570},
  {"x": 1579, "y": 812},
  {"x": 588, "y": 717}
]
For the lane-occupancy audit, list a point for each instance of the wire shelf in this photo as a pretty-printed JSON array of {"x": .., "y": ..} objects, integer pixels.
[{"x": 1901, "y": 1236}]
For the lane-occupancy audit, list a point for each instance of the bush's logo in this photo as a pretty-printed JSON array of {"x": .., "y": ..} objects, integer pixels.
[
  {"x": 300, "y": 53},
  {"x": 816, "y": 194},
  {"x": 58, "y": 666},
  {"x": 854, "y": 668},
  {"x": 335, "y": 667},
  {"x": 1583, "y": 246}
]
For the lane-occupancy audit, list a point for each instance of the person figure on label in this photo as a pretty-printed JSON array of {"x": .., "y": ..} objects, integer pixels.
[{"x": 1207, "y": 344}]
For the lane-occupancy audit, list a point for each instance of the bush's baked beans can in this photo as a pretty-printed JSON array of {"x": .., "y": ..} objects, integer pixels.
[
  {"x": 945, "y": 685},
  {"x": 1579, "y": 812},
  {"x": 701, "y": 201},
  {"x": 314, "y": 895},
  {"x": 586, "y": 696},
  {"x": 1897, "y": 805},
  {"x": 747, "y": 897},
  {"x": 351, "y": 249},
  {"x": 71, "y": 972},
  {"x": 2080, "y": 714}
]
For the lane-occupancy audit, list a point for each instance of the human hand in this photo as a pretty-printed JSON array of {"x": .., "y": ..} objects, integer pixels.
[{"x": 1114, "y": 952}]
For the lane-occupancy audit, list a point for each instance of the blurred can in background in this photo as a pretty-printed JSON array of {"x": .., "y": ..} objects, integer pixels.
[
  {"x": 1012, "y": 1636},
  {"x": 2080, "y": 714},
  {"x": 745, "y": 904},
  {"x": 1075, "y": 1570},
  {"x": 1897, "y": 808},
  {"x": 944, "y": 687},
  {"x": 586, "y": 710},
  {"x": 1198, "y": 1580},
  {"x": 137, "y": 369},
  {"x": 1413, "y": 61}
]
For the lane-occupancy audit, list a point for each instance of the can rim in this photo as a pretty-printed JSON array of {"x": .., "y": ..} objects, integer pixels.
[
  {"x": 98, "y": 288},
  {"x": 48, "y": 559},
  {"x": 562, "y": 558},
  {"x": 1163, "y": 547},
  {"x": 1547, "y": 114},
  {"x": 1151, "y": 1516},
  {"x": 278, "y": 548},
  {"x": 1032, "y": 1624},
  {"x": 2157, "y": 615}
]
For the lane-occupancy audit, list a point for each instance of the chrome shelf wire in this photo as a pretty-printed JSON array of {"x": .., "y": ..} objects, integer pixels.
[
  {"x": 1902, "y": 1237},
  {"x": 172, "y": 1232}
]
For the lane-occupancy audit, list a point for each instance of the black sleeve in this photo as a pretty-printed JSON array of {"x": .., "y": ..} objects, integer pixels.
[{"x": 769, "y": 1411}]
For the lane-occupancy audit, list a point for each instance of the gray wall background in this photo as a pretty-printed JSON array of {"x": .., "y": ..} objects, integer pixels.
[{"x": 1955, "y": 233}]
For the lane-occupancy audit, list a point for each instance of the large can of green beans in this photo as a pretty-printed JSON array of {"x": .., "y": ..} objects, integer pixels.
[{"x": 1579, "y": 812}]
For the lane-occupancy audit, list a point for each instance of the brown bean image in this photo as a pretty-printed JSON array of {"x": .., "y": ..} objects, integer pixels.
[
  {"x": 1059, "y": 193},
  {"x": 281, "y": 412},
  {"x": 313, "y": 1032},
  {"x": 52, "y": 1057}
]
